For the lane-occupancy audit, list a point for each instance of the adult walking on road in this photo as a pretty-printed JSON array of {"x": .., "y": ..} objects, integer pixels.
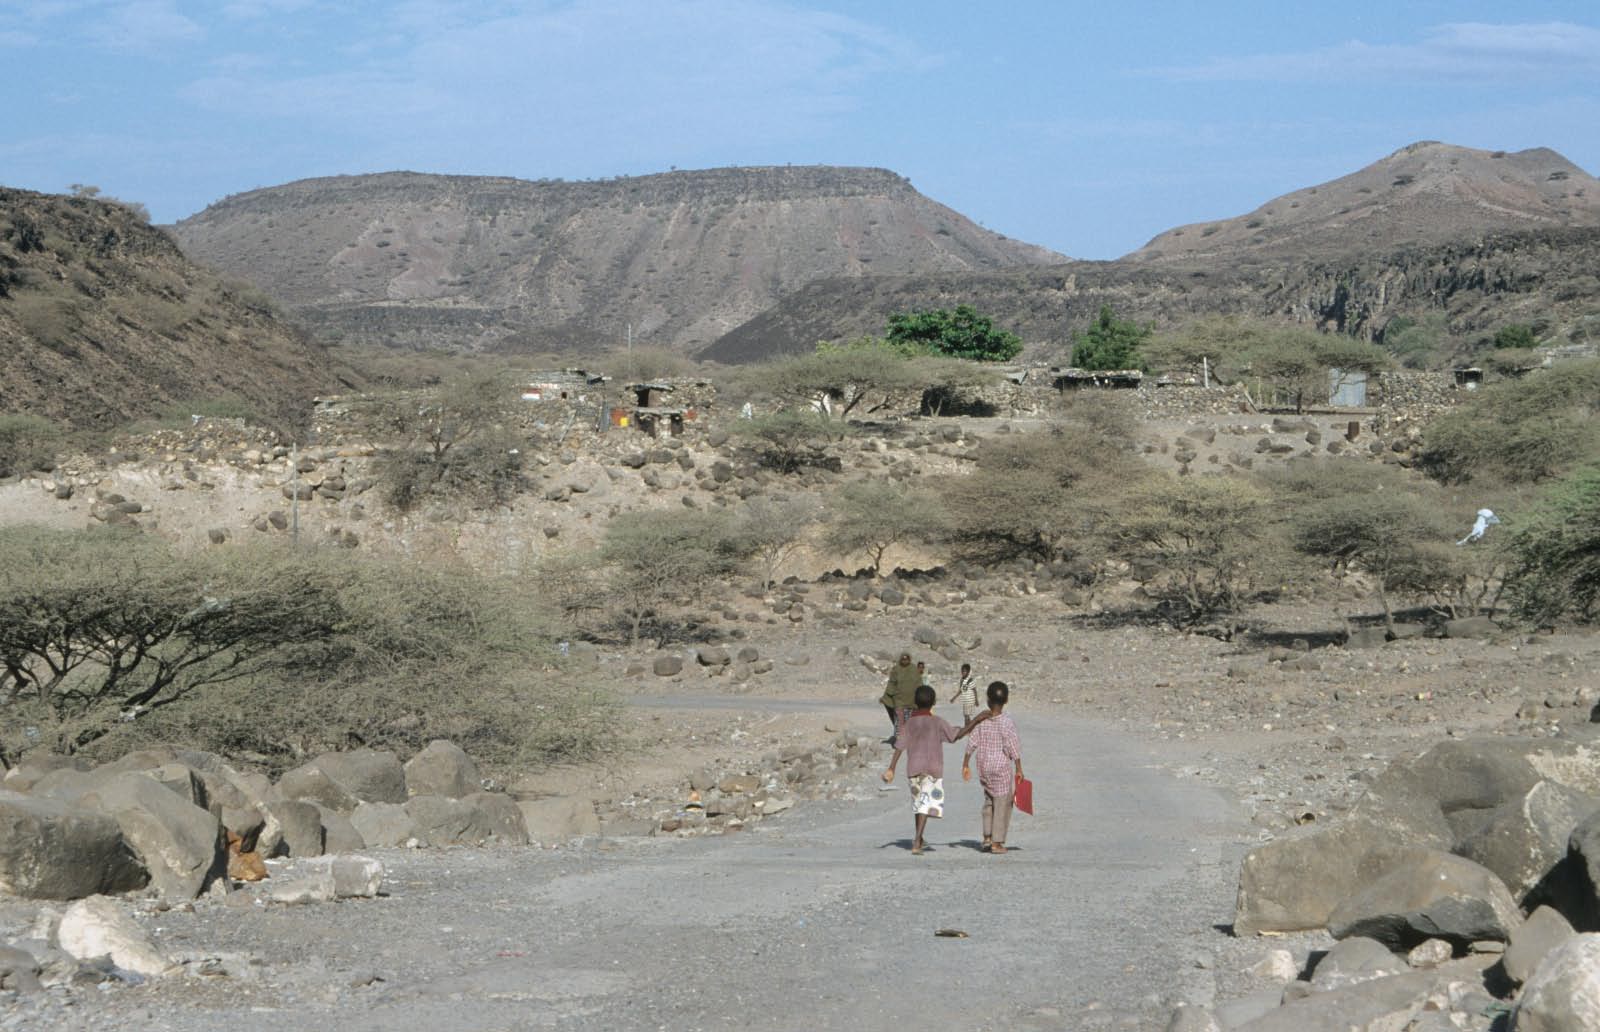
[{"x": 900, "y": 694}]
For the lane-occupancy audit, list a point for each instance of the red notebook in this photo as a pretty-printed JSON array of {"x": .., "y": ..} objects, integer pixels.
[{"x": 1024, "y": 796}]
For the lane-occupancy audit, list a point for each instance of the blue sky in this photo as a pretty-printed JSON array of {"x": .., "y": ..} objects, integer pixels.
[{"x": 1088, "y": 128}]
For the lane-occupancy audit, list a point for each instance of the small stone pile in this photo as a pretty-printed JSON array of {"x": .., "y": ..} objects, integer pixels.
[{"x": 1458, "y": 877}]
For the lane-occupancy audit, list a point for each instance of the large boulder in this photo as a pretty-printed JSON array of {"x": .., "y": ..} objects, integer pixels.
[
  {"x": 97, "y": 927},
  {"x": 1294, "y": 884},
  {"x": 1564, "y": 993},
  {"x": 55, "y": 850},
  {"x": 21, "y": 778},
  {"x": 1428, "y": 894},
  {"x": 1532, "y": 941},
  {"x": 1525, "y": 838},
  {"x": 479, "y": 819},
  {"x": 1390, "y": 1003},
  {"x": 301, "y": 832},
  {"x": 1353, "y": 960},
  {"x": 442, "y": 769},
  {"x": 329, "y": 878},
  {"x": 1575, "y": 886},
  {"x": 386, "y": 824},
  {"x": 342, "y": 781},
  {"x": 181, "y": 845},
  {"x": 559, "y": 818}
]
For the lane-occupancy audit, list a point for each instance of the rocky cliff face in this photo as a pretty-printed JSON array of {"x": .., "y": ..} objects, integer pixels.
[
  {"x": 1478, "y": 285},
  {"x": 410, "y": 260},
  {"x": 102, "y": 320}
]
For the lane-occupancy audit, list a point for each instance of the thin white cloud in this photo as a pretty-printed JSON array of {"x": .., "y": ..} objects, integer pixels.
[
  {"x": 1456, "y": 51},
  {"x": 629, "y": 77},
  {"x": 143, "y": 26},
  {"x": 250, "y": 9}
]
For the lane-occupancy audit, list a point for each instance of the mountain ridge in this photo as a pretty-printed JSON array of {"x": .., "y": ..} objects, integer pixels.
[{"x": 408, "y": 259}]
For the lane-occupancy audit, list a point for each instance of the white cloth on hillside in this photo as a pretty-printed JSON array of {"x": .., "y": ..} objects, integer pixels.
[{"x": 1486, "y": 519}]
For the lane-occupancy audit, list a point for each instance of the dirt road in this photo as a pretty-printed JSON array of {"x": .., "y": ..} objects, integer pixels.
[{"x": 1100, "y": 917}]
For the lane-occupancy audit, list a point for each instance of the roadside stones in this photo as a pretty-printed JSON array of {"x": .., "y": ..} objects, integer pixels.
[
  {"x": 19, "y": 971},
  {"x": 442, "y": 768},
  {"x": 330, "y": 878},
  {"x": 97, "y": 927},
  {"x": 1533, "y": 940},
  {"x": 300, "y": 827},
  {"x": 386, "y": 825},
  {"x": 52, "y": 850},
  {"x": 478, "y": 819},
  {"x": 1428, "y": 894},
  {"x": 559, "y": 818},
  {"x": 339, "y": 781},
  {"x": 667, "y": 666},
  {"x": 1354, "y": 960},
  {"x": 180, "y": 844},
  {"x": 1526, "y": 837},
  {"x": 712, "y": 656},
  {"x": 1563, "y": 994}
]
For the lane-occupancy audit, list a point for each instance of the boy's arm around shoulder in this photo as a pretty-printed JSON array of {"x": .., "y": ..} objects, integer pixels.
[{"x": 977, "y": 719}]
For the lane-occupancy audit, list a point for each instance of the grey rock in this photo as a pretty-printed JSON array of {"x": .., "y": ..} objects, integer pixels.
[
  {"x": 1528, "y": 836},
  {"x": 891, "y": 596},
  {"x": 477, "y": 820},
  {"x": 667, "y": 666},
  {"x": 1470, "y": 627},
  {"x": 385, "y": 825},
  {"x": 181, "y": 845},
  {"x": 1532, "y": 941},
  {"x": 712, "y": 656},
  {"x": 19, "y": 971},
  {"x": 341, "y": 780},
  {"x": 1191, "y": 1018},
  {"x": 339, "y": 833},
  {"x": 442, "y": 768},
  {"x": 300, "y": 828},
  {"x": 1428, "y": 894},
  {"x": 559, "y": 818},
  {"x": 1354, "y": 960},
  {"x": 26, "y": 773},
  {"x": 1563, "y": 994}
]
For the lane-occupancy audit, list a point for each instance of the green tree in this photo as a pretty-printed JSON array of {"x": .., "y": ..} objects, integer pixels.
[
  {"x": 1555, "y": 551},
  {"x": 960, "y": 332},
  {"x": 1110, "y": 343},
  {"x": 871, "y": 516},
  {"x": 1515, "y": 335},
  {"x": 1415, "y": 342},
  {"x": 839, "y": 380}
]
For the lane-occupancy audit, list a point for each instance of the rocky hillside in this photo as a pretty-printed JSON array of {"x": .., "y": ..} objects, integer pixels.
[
  {"x": 409, "y": 260},
  {"x": 102, "y": 320},
  {"x": 1546, "y": 278},
  {"x": 1426, "y": 193}
]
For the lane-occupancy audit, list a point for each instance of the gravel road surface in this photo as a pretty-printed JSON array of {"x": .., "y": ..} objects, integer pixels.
[{"x": 1101, "y": 916}]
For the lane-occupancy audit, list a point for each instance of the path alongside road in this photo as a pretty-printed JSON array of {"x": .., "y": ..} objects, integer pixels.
[{"x": 817, "y": 920}]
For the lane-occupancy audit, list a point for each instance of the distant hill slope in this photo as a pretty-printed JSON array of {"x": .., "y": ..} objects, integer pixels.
[
  {"x": 102, "y": 320},
  {"x": 1425, "y": 193},
  {"x": 409, "y": 259},
  {"x": 1483, "y": 237},
  {"x": 1547, "y": 278}
]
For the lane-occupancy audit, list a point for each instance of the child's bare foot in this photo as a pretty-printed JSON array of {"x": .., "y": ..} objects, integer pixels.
[
  {"x": 987, "y": 843},
  {"x": 997, "y": 848},
  {"x": 916, "y": 849}
]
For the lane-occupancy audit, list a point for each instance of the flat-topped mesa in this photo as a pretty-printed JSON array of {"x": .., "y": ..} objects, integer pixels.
[{"x": 768, "y": 182}]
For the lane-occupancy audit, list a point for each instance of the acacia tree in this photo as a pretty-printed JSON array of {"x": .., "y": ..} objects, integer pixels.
[
  {"x": 770, "y": 529},
  {"x": 453, "y": 443},
  {"x": 1375, "y": 520},
  {"x": 960, "y": 332},
  {"x": 657, "y": 559},
  {"x": 1209, "y": 536},
  {"x": 871, "y": 516},
  {"x": 1556, "y": 551},
  {"x": 788, "y": 441},
  {"x": 1292, "y": 361}
]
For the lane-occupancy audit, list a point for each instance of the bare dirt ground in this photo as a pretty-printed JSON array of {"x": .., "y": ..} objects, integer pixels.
[{"x": 1161, "y": 759}]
